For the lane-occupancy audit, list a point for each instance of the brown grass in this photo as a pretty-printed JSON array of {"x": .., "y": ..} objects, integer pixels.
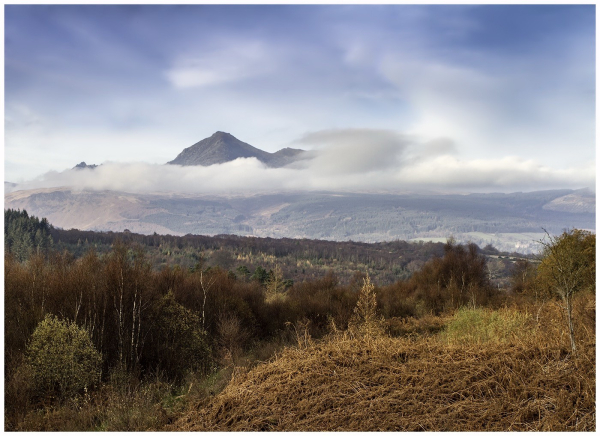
[{"x": 399, "y": 384}]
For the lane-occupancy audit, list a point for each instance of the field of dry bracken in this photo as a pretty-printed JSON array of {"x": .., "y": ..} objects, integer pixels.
[{"x": 513, "y": 371}]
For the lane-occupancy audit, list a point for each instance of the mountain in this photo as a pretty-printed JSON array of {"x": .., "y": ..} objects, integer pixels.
[
  {"x": 510, "y": 222},
  {"x": 223, "y": 147},
  {"x": 83, "y": 165}
]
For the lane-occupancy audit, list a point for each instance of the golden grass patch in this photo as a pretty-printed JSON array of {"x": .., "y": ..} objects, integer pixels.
[{"x": 398, "y": 384}]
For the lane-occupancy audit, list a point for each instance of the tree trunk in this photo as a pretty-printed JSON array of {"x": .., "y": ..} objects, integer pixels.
[{"x": 569, "y": 304}]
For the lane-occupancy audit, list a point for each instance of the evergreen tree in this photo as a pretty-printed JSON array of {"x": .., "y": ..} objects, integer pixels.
[{"x": 25, "y": 235}]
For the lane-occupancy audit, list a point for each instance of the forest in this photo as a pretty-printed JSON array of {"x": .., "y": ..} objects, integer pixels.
[{"x": 125, "y": 332}]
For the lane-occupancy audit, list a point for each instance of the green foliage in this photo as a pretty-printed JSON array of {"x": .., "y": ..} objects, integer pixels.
[
  {"x": 243, "y": 270},
  {"x": 25, "y": 235},
  {"x": 261, "y": 275},
  {"x": 177, "y": 343},
  {"x": 62, "y": 357},
  {"x": 484, "y": 325}
]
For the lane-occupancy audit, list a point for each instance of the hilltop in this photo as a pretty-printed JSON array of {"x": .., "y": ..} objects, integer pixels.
[{"x": 223, "y": 147}]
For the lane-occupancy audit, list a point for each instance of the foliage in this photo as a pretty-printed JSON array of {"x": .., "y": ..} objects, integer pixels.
[
  {"x": 261, "y": 275},
  {"x": 457, "y": 279},
  {"x": 568, "y": 266},
  {"x": 365, "y": 320},
  {"x": 169, "y": 326},
  {"x": 480, "y": 325},
  {"x": 25, "y": 235},
  {"x": 299, "y": 259},
  {"x": 62, "y": 357},
  {"x": 176, "y": 342},
  {"x": 275, "y": 285},
  {"x": 569, "y": 262}
]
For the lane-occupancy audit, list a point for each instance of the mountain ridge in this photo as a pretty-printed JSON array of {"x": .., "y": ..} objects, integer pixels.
[{"x": 223, "y": 147}]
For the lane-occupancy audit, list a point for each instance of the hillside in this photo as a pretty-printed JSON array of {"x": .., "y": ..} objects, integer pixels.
[
  {"x": 409, "y": 384},
  {"x": 510, "y": 222}
]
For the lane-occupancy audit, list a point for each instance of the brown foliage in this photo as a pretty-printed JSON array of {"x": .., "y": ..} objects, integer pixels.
[
  {"x": 459, "y": 278},
  {"x": 321, "y": 301}
]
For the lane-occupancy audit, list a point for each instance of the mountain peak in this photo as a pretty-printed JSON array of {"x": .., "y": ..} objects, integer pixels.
[
  {"x": 223, "y": 147},
  {"x": 83, "y": 165}
]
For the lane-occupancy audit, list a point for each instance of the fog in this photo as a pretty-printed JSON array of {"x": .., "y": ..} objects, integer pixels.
[{"x": 342, "y": 160}]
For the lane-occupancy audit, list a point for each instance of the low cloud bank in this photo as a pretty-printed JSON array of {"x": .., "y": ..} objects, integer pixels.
[{"x": 344, "y": 160}]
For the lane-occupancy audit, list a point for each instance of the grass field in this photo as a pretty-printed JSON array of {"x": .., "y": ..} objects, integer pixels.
[{"x": 519, "y": 376}]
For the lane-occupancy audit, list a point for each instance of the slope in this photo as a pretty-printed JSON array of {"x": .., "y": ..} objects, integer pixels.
[{"x": 388, "y": 384}]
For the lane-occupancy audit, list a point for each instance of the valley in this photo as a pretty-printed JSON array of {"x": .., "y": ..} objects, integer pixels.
[{"x": 509, "y": 222}]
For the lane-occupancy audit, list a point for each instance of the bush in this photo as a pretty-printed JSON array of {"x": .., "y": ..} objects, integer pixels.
[
  {"x": 365, "y": 321},
  {"x": 62, "y": 358},
  {"x": 177, "y": 343}
]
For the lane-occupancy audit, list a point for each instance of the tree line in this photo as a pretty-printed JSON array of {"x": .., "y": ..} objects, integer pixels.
[{"x": 25, "y": 235}]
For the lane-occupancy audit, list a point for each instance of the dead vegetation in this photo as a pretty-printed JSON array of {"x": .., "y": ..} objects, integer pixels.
[
  {"x": 370, "y": 383},
  {"x": 200, "y": 349}
]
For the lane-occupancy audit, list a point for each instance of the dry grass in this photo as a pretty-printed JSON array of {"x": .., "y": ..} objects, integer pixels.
[
  {"x": 426, "y": 325},
  {"x": 399, "y": 384}
]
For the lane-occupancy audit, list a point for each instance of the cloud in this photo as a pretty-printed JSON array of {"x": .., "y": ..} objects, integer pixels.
[
  {"x": 350, "y": 151},
  {"x": 384, "y": 161},
  {"x": 503, "y": 175},
  {"x": 493, "y": 105},
  {"x": 227, "y": 62}
]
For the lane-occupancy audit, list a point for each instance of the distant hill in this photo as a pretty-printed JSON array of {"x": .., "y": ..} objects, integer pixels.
[
  {"x": 223, "y": 147},
  {"x": 510, "y": 222},
  {"x": 580, "y": 201},
  {"x": 83, "y": 165}
]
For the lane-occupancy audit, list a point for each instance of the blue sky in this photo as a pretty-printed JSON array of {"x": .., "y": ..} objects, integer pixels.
[{"x": 474, "y": 97}]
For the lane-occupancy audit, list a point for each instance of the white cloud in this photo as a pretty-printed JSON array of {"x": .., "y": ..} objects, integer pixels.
[
  {"x": 493, "y": 107},
  {"x": 506, "y": 174},
  {"x": 384, "y": 161},
  {"x": 344, "y": 151}
]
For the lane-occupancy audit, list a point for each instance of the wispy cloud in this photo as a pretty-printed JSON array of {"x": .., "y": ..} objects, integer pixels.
[
  {"x": 228, "y": 61},
  {"x": 355, "y": 151}
]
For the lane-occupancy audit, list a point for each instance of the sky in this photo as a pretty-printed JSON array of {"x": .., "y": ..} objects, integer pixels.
[{"x": 461, "y": 98}]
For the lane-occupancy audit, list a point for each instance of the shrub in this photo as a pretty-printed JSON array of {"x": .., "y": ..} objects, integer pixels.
[
  {"x": 177, "y": 343},
  {"x": 365, "y": 321},
  {"x": 62, "y": 357}
]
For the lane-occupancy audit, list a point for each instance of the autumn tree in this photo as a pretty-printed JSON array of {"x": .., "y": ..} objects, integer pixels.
[
  {"x": 459, "y": 278},
  {"x": 275, "y": 285},
  {"x": 568, "y": 266}
]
